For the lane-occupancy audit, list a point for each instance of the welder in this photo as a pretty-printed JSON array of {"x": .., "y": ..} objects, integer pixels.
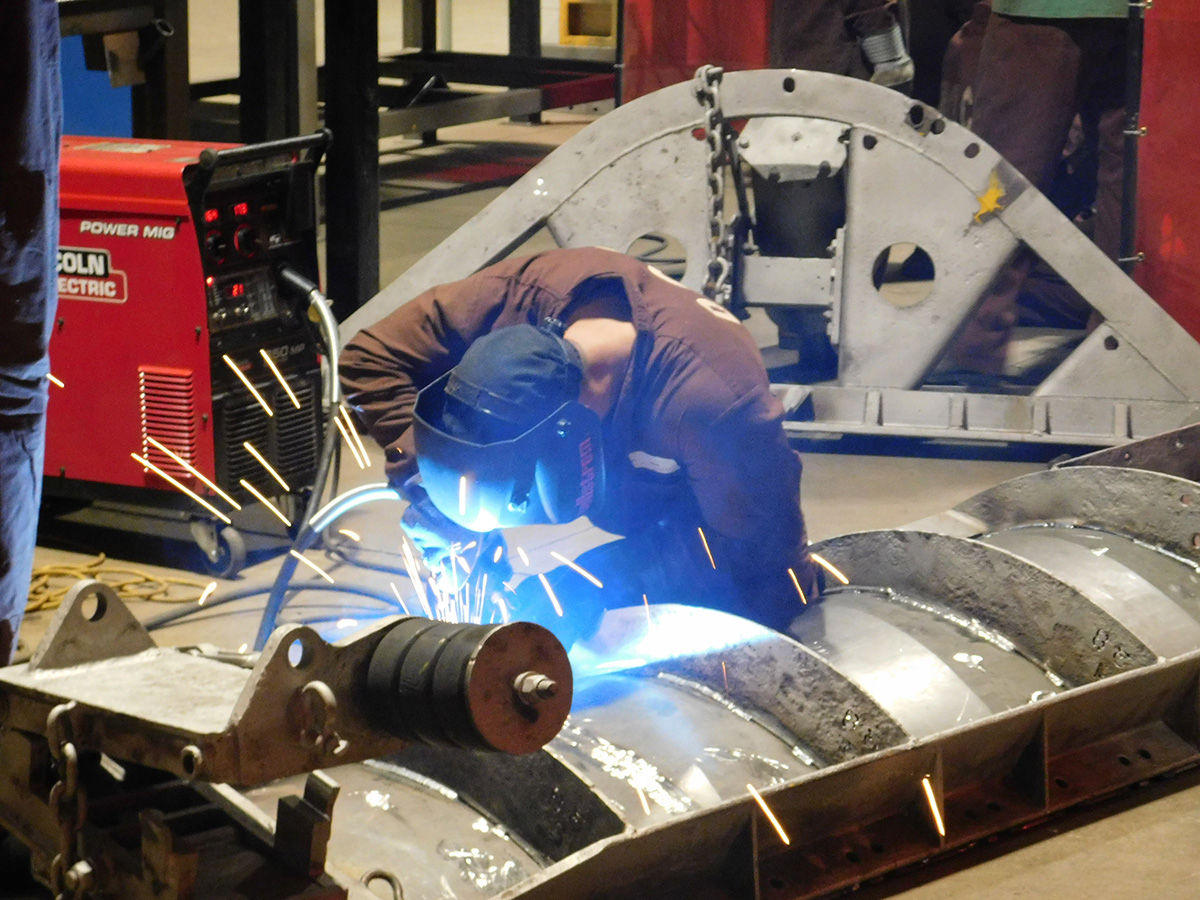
[{"x": 582, "y": 382}]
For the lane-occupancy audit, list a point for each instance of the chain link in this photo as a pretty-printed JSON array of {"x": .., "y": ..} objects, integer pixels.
[
  {"x": 70, "y": 877},
  {"x": 707, "y": 83}
]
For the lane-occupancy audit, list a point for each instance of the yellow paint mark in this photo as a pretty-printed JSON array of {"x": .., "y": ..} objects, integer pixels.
[{"x": 989, "y": 200}]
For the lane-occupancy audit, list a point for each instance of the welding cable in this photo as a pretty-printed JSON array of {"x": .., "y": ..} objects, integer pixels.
[
  {"x": 319, "y": 311},
  {"x": 174, "y": 615}
]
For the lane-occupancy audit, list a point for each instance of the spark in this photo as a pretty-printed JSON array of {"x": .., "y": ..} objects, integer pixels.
[
  {"x": 192, "y": 469},
  {"x": 799, "y": 590},
  {"x": 704, "y": 540},
  {"x": 312, "y": 565},
  {"x": 461, "y": 561},
  {"x": 829, "y": 567},
  {"x": 499, "y": 552},
  {"x": 480, "y": 597},
  {"x": 253, "y": 451},
  {"x": 524, "y": 556},
  {"x": 468, "y": 546},
  {"x": 550, "y": 594},
  {"x": 410, "y": 563},
  {"x": 770, "y": 815},
  {"x": 283, "y": 381},
  {"x": 725, "y": 675},
  {"x": 505, "y": 616},
  {"x": 646, "y": 603},
  {"x": 55, "y": 381},
  {"x": 354, "y": 433},
  {"x": 243, "y": 648},
  {"x": 265, "y": 502},
  {"x": 396, "y": 591},
  {"x": 462, "y": 495},
  {"x": 933, "y": 806},
  {"x": 362, "y": 463},
  {"x": 208, "y": 591},
  {"x": 642, "y": 796},
  {"x": 161, "y": 474},
  {"x": 246, "y": 381},
  {"x": 571, "y": 564},
  {"x": 353, "y": 535}
]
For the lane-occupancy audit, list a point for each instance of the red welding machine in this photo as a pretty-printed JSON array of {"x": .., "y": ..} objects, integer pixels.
[{"x": 177, "y": 360}]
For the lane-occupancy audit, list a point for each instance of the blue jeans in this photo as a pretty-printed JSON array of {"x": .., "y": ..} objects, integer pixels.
[{"x": 31, "y": 113}]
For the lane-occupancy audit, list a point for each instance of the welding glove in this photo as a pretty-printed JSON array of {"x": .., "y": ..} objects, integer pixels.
[
  {"x": 435, "y": 535},
  {"x": 891, "y": 65}
]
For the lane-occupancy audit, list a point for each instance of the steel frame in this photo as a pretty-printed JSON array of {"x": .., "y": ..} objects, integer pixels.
[{"x": 911, "y": 176}]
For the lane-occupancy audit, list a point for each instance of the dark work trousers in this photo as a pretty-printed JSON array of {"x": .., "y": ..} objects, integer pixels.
[
  {"x": 30, "y": 133},
  {"x": 1034, "y": 77}
]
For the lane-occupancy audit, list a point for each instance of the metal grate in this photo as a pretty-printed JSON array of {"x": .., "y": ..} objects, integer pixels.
[{"x": 166, "y": 398}]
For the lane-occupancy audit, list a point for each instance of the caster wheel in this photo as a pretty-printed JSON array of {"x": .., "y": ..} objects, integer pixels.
[{"x": 229, "y": 556}]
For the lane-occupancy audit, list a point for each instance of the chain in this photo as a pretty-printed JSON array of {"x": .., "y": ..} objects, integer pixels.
[
  {"x": 70, "y": 878},
  {"x": 708, "y": 92}
]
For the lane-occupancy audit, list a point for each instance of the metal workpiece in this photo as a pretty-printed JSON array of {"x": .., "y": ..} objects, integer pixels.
[
  {"x": 855, "y": 821},
  {"x": 994, "y": 597},
  {"x": 840, "y": 180},
  {"x": 304, "y": 703},
  {"x": 1175, "y": 452}
]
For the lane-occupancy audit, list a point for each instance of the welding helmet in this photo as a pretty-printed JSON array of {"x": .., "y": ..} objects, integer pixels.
[{"x": 502, "y": 439}]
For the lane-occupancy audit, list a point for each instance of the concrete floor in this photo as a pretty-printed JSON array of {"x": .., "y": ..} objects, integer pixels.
[{"x": 1136, "y": 845}]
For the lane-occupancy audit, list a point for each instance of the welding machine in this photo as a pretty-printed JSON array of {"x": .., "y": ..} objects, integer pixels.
[{"x": 186, "y": 394}]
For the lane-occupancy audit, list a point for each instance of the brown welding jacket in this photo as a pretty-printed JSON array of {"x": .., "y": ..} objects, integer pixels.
[{"x": 693, "y": 417}]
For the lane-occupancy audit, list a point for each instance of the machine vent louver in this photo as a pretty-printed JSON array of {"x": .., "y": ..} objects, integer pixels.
[
  {"x": 167, "y": 400},
  {"x": 289, "y": 439}
]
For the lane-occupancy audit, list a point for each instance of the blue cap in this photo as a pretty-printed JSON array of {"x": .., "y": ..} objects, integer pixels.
[{"x": 510, "y": 380}]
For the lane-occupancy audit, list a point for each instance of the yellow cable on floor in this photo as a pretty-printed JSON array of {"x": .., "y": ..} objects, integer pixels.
[{"x": 50, "y": 584}]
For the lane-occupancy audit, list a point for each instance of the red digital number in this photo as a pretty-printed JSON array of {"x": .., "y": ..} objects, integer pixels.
[
  {"x": 211, "y": 215},
  {"x": 241, "y": 209},
  {"x": 237, "y": 289}
]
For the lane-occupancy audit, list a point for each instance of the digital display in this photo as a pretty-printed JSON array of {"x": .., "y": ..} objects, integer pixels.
[
  {"x": 241, "y": 209},
  {"x": 211, "y": 215},
  {"x": 237, "y": 289}
]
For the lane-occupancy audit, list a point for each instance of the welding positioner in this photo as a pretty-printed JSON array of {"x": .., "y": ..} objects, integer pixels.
[{"x": 119, "y": 757}]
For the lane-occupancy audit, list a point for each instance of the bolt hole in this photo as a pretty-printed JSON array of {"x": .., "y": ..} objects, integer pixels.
[
  {"x": 1196, "y": 541},
  {"x": 971, "y": 814},
  {"x": 298, "y": 654},
  {"x": 971, "y": 151},
  {"x": 869, "y": 141},
  {"x": 938, "y": 126},
  {"x": 853, "y": 857},
  {"x": 993, "y": 806},
  {"x": 1062, "y": 782},
  {"x": 1124, "y": 760},
  {"x": 876, "y": 847},
  {"x": 1186, "y": 499},
  {"x": 93, "y": 607},
  {"x": 190, "y": 758},
  {"x": 1111, "y": 343},
  {"x": 1144, "y": 753},
  {"x": 916, "y": 114},
  {"x": 789, "y": 84},
  {"x": 777, "y": 883}
]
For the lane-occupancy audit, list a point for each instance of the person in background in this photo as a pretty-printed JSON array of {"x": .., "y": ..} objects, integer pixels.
[
  {"x": 582, "y": 382},
  {"x": 1043, "y": 63},
  {"x": 31, "y": 110},
  {"x": 860, "y": 38}
]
